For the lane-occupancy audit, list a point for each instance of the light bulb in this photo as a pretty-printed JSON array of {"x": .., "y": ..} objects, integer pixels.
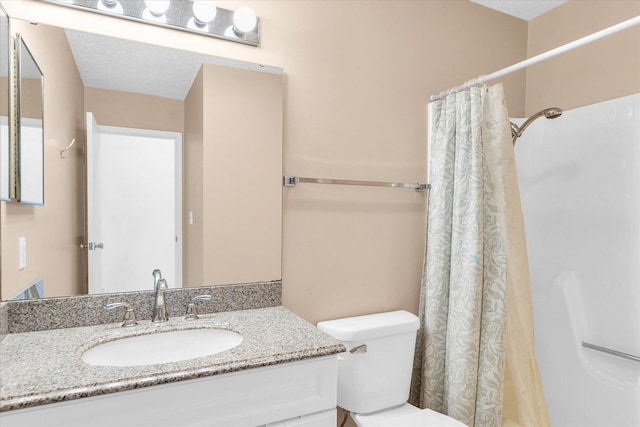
[
  {"x": 204, "y": 12},
  {"x": 112, "y": 6},
  {"x": 244, "y": 20},
  {"x": 158, "y": 7}
]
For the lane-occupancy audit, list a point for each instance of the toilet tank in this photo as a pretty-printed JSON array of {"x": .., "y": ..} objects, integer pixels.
[{"x": 380, "y": 376}]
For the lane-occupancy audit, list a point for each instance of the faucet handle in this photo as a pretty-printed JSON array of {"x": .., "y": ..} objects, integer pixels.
[
  {"x": 192, "y": 313},
  {"x": 129, "y": 316}
]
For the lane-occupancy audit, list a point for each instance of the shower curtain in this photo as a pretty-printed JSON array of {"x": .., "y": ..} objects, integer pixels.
[{"x": 474, "y": 353}]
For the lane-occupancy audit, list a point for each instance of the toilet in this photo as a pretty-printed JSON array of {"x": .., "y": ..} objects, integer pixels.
[{"x": 374, "y": 374}]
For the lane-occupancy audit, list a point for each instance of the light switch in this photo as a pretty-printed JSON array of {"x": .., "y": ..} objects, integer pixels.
[
  {"x": 190, "y": 217},
  {"x": 22, "y": 250}
]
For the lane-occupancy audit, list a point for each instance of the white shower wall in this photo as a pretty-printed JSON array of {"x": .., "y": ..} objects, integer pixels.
[{"x": 579, "y": 179}]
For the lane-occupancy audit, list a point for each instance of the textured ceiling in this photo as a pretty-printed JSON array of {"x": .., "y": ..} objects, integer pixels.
[
  {"x": 124, "y": 65},
  {"x": 523, "y": 9}
]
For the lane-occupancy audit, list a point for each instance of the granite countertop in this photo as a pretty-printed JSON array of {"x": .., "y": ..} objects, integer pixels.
[{"x": 43, "y": 367}]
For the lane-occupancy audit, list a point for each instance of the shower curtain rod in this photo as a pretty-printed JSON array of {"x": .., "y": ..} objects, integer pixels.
[{"x": 541, "y": 57}]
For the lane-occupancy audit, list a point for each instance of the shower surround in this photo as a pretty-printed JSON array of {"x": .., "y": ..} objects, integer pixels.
[{"x": 579, "y": 181}]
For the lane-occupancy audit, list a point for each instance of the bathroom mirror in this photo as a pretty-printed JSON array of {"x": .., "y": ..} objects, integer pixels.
[
  {"x": 230, "y": 116},
  {"x": 30, "y": 137},
  {"x": 5, "y": 157}
]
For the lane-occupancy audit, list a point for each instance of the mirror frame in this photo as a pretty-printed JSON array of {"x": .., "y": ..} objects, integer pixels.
[
  {"x": 5, "y": 153},
  {"x": 21, "y": 179}
]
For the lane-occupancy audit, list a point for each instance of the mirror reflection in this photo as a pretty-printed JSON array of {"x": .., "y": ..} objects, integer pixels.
[
  {"x": 4, "y": 106},
  {"x": 181, "y": 169},
  {"x": 134, "y": 195},
  {"x": 30, "y": 185}
]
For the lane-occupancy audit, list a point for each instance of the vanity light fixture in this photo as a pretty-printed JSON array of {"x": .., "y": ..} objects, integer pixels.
[{"x": 196, "y": 16}]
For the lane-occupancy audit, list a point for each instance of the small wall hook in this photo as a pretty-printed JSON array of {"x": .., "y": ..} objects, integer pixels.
[{"x": 62, "y": 156}]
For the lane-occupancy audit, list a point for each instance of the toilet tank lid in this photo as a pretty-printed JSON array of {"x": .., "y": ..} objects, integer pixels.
[{"x": 370, "y": 326}]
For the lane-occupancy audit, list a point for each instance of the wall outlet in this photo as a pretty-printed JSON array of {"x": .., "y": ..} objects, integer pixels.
[{"x": 22, "y": 253}]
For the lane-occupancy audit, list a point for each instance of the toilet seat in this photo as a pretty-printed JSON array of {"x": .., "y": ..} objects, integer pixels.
[{"x": 405, "y": 416}]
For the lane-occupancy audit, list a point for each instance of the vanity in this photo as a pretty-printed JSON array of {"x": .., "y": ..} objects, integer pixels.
[{"x": 282, "y": 373}]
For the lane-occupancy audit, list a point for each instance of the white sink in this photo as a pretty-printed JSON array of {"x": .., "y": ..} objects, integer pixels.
[{"x": 162, "y": 347}]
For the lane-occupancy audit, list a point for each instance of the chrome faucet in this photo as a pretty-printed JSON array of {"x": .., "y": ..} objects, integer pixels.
[
  {"x": 157, "y": 275},
  {"x": 160, "y": 307}
]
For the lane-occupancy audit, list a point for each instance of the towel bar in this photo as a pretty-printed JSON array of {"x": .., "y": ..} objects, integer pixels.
[{"x": 291, "y": 181}]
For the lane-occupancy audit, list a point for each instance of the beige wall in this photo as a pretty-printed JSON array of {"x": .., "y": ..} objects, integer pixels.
[
  {"x": 193, "y": 183},
  {"x": 605, "y": 69},
  {"x": 53, "y": 231},
  {"x": 242, "y": 175},
  {"x": 358, "y": 77},
  {"x": 31, "y": 98},
  {"x": 134, "y": 110},
  {"x": 356, "y": 109},
  {"x": 233, "y": 175}
]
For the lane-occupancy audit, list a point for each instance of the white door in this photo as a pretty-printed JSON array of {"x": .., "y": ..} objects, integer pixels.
[{"x": 134, "y": 181}]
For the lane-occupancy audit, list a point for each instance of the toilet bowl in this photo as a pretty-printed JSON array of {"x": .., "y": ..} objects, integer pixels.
[{"x": 374, "y": 374}]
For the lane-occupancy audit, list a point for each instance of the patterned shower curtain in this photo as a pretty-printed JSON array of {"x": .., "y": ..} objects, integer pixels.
[{"x": 474, "y": 283}]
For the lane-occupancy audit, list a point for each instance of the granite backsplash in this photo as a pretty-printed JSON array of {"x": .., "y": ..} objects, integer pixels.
[{"x": 86, "y": 310}]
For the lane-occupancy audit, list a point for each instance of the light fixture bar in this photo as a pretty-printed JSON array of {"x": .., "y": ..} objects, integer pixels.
[{"x": 179, "y": 16}]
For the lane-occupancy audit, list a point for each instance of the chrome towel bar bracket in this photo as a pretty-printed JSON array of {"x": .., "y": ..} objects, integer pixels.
[{"x": 291, "y": 181}]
